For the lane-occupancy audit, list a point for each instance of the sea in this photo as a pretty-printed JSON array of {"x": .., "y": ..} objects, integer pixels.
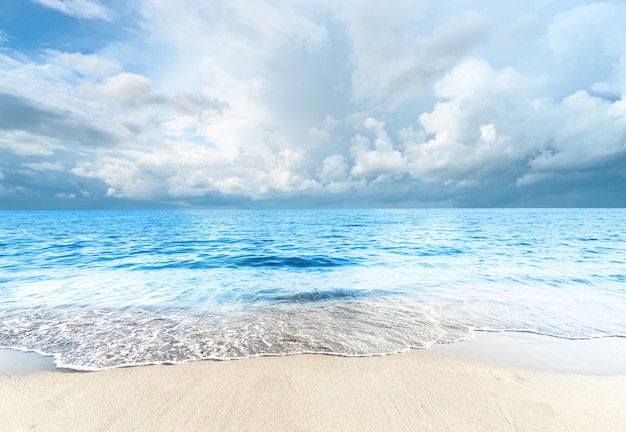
[{"x": 107, "y": 289}]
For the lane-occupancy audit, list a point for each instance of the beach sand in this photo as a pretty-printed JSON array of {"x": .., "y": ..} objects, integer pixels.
[{"x": 424, "y": 390}]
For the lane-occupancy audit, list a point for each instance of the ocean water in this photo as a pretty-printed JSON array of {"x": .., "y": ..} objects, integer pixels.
[{"x": 103, "y": 289}]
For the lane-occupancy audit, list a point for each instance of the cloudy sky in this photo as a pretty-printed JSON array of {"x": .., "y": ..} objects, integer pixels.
[{"x": 312, "y": 103}]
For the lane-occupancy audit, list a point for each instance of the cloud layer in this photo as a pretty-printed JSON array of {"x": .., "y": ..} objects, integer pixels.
[
  {"x": 85, "y": 9},
  {"x": 232, "y": 103}
]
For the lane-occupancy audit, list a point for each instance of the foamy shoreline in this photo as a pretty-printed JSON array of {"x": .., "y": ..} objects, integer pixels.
[
  {"x": 420, "y": 390},
  {"x": 600, "y": 356}
]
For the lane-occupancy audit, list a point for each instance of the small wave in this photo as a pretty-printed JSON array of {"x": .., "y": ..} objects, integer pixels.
[
  {"x": 178, "y": 286},
  {"x": 254, "y": 261},
  {"x": 317, "y": 296},
  {"x": 273, "y": 296},
  {"x": 93, "y": 340},
  {"x": 297, "y": 262},
  {"x": 439, "y": 251},
  {"x": 592, "y": 336}
]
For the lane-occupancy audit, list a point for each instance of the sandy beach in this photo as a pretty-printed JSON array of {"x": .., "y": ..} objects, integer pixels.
[{"x": 424, "y": 390}]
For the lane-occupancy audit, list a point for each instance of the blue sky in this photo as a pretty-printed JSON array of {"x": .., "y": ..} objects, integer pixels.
[{"x": 189, "y": 103}]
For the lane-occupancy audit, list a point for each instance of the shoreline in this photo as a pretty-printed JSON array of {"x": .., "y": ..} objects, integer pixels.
[
  {"x": 599, "y": 356},
  {"x": 421, "y": 390}
]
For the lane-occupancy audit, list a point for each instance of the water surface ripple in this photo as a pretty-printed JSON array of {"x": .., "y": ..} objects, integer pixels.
[{"x": 101, "y": 289}]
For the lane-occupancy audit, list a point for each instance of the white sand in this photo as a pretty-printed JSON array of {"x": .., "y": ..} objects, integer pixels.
[{"x": 417, "y": 391}]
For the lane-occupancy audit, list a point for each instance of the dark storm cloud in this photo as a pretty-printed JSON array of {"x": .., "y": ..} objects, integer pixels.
[{"x": 19, "y": 113}]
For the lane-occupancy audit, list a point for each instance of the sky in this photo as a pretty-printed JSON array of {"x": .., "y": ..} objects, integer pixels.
[{"x": 312, "y": 103}]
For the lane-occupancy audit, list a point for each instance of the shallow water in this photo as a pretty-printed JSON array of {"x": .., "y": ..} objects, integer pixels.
[{"x": 114, "y": 288}]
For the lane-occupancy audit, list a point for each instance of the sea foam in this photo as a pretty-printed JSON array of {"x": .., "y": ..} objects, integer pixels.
[{"x": 117, "y": 288}]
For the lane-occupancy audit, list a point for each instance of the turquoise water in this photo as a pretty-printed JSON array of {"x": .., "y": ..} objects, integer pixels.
[{"x": 102, "y": 289}]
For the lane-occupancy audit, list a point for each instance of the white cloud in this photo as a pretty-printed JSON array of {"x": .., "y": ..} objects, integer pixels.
[
  {"x": 589, "y": 46},
  {"x": 334, "y": 168},
  {"x": 382, "y": 159},
  {"x": 474, "y": 130},
  {"x": 270, "y": 100},
  {"x": 323, "y": 133},
  {"x": 44, "y": 166},
  {"x": 24, "y": 144},
  {"x": 592, "y": 131},
  {"x": 491, "y": 121},
  {"x": 393, "y": 64},
  {"x": 85, "y": 9},
  {"x": 125, "y": 88},
  {"x": 90, "y": 65},
  {"x": 488, "y": 133},
  {"x": 196, "y": 103}
]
